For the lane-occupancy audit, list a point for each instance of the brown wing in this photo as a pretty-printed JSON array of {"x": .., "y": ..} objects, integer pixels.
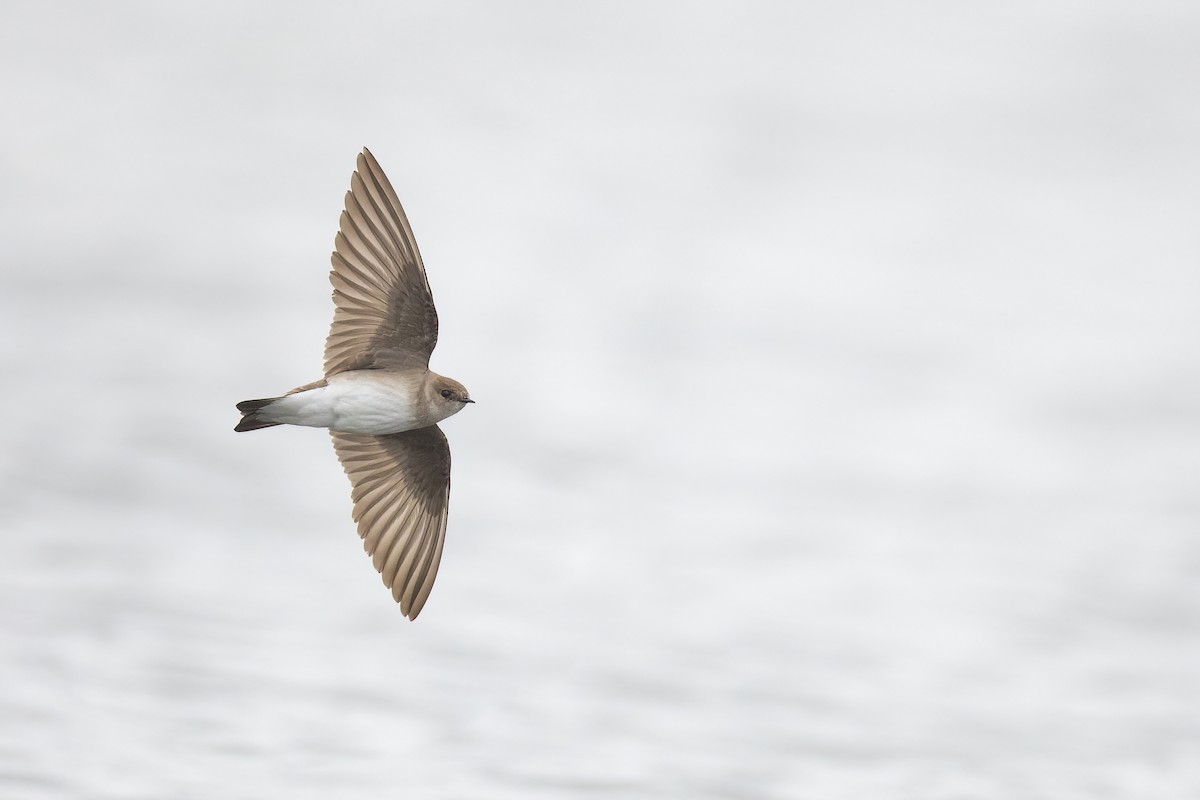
[
  {"x": 384, "y": 315},
  {"x": 401, "y": 492}
]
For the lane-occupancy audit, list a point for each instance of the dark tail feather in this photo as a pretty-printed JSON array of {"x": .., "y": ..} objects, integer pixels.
[{"x": 250, "y": 419}]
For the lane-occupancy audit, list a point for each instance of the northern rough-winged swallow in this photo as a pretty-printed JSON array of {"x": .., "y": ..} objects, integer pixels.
[{"x": 379, "y": 399}]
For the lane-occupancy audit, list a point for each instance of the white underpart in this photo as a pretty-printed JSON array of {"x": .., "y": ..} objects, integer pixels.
[{"x": 356, "y": 404}]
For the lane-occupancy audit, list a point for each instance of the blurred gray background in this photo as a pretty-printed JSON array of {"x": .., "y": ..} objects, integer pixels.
[{"x": 837, "y": 432}]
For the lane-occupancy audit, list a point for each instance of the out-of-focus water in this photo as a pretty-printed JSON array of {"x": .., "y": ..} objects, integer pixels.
[{"x": 837, "y": 432}]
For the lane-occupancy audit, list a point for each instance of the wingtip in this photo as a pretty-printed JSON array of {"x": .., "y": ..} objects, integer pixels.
[
  {"x": 369, "y": 164},
  {"x": 406, "y": 609}
]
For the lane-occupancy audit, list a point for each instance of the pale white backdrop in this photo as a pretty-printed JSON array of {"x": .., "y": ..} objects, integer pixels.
[{"x": 836, "y": 367}]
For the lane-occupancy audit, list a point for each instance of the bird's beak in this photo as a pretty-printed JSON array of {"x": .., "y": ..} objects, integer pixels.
[{"x": 468, "y": 400}]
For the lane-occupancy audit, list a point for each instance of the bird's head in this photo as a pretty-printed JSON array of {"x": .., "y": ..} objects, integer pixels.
[{"x": 449, "y": 396}]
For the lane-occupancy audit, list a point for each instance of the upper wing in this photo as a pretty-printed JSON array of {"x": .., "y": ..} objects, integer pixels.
[
  {"x": 384, "y": 315},
  {"x": 401, "y": 491}
]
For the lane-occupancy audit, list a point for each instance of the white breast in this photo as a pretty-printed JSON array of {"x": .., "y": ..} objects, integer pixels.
[{"x": 355, "y": 402}]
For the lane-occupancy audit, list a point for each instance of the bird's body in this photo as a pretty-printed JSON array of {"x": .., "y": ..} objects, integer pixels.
[
  {"x": 368, "y": 401},
  {"x": 379, "y": 399}
]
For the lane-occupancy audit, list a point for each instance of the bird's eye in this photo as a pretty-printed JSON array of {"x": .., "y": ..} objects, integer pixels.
[{"x": 446, "y": 393}]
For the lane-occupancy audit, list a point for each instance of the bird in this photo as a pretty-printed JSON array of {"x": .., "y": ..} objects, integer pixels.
[{"x": 378, "y": 398}]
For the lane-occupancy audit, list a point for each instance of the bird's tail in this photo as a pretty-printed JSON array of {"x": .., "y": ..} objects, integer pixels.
[{"x": 251, "y": 421}]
